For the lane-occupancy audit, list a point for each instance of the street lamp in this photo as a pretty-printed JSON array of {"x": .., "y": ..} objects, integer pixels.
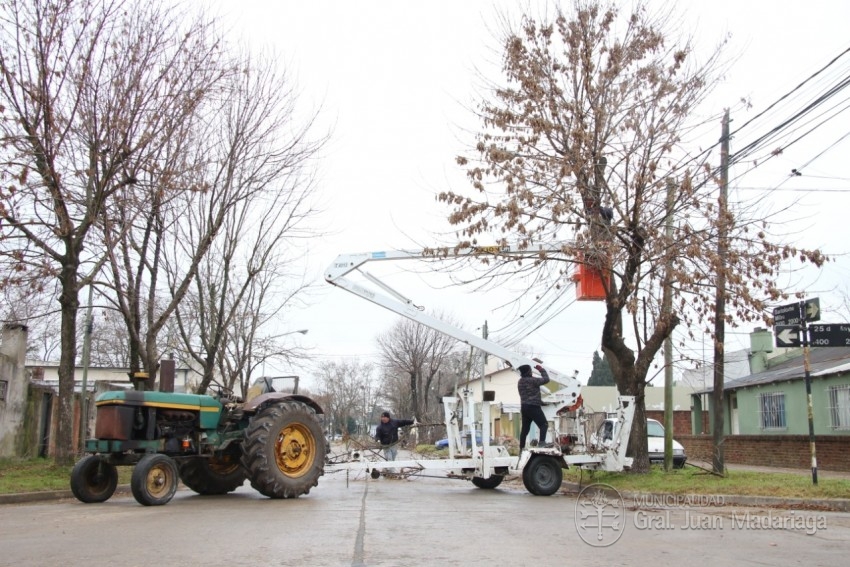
[{"x": 298, "y": 332}]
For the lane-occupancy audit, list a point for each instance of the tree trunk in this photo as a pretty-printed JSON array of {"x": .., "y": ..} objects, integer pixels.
[
  {"x": 70, "y": 304},
  {"x": 629, "y": 383},
  {"x": 414, "y": 394},
  {"x": 638, "y": 449}
]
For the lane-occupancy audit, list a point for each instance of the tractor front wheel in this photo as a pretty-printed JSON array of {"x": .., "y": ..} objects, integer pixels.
[
  {"x": 93, "y": 479},
  {"x": 284, "y": 450},
  {"x": 154, "y": 480}
]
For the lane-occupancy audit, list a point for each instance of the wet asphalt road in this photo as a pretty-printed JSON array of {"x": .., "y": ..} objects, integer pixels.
[{"x": 418, "y": 521}]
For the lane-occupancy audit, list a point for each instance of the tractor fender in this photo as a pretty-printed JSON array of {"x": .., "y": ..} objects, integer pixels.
[{"x": 257, "y": 403}]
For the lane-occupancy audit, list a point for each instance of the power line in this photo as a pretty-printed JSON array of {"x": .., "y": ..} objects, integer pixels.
[
  {"x": 774, "y": 132},
  {"x": 832, "y": 145},
  {"x": 792, "y": 91},
  {"x": 752, "y": 147}
]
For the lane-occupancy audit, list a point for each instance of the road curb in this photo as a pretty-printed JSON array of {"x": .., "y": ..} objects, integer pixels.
[
  {"x": 720, "y": 500},
  {"x": 47, "y": 495}
]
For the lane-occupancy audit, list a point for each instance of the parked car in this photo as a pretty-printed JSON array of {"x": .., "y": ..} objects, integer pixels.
[
  {"x": 655, "y": 442},
  {"x": 444, "y": 442},
  {"x": 654, "y": 438}
]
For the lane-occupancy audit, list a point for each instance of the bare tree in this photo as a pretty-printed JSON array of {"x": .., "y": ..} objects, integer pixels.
[
  {"x": 413, "y": 356},
  {"x": 844, "y": 307},
  {"x": 110, "y": 342},
  {"x": 37, "y": 309},
  {"x": 242, "y": 288},
  {"x": 253, "y": 335},
  {"x": 88, "y": 92},
  {"x": 230, "y": 241},
  {"x": 347, "y": 391},
  {"x": 582, "y": 138}
]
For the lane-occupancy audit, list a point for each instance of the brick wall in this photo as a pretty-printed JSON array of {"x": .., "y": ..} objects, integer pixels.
[
  {"x": 681, "y": 421},
  {"x": 791, "y": 451}
]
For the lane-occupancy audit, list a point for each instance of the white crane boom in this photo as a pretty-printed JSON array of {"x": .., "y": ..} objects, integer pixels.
[
  {"x": 344, "y": 264},
  {"x": 488, "y": 466}
]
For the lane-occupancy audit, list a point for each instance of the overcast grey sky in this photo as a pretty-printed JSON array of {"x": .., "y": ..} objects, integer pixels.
[{"x": 395, "y": 79}]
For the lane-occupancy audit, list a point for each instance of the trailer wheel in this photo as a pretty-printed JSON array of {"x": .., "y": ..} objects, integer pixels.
[
  {"x": 154, "y": 480},
  {"x": 93, "y": 479},
  {"x": 492, "y": 482},
  {"x": 213, "y": 475},
  {"x": 542, "y": 475},
  {"x": 526, "y": 480},
  {"x": 284, "y": 450}
]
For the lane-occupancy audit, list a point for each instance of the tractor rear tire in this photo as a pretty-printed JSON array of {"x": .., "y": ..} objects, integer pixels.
[
  {"x": 93, "y": 480},
  {"x": 284, "y": 450},
  {"x": 542, "y": 475},
  {"x": 492, "y": 482},
  {"x": 213, "y": 475},
  {"x": 154, "y": 480}
]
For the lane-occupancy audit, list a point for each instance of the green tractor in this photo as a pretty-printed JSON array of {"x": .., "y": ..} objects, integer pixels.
[{"x": 210, "y": 443}]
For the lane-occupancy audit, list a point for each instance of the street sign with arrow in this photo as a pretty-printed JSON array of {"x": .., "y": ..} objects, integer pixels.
[
  {"x": 789, "y": 320},
  {"x": 787, "y": 335},
  {"x": 811, "y": 310}
]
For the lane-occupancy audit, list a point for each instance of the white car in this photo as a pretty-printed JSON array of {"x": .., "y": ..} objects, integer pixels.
[{"x": 654, "y": 438}]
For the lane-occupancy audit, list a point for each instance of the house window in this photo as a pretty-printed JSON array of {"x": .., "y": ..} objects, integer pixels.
[
  {"x": 3, "y": 385},
  {"x": 839, "y": 406},
  {"x": 772, "y": 410}
]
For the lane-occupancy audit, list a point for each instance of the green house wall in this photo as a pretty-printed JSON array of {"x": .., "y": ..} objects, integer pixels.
[{"x": 796, "y": 412}]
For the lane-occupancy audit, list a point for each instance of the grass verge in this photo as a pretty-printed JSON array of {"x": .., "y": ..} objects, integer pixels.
[
  {"x": 34, "y": 475},
  {"x": 38, "y": 475},
  {"x": 692, "y": 480}
]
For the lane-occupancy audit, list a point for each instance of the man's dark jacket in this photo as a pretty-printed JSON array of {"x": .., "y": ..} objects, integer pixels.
[
  {"x": 529, "y": 388},
  {"x": 387, "y": 433}
]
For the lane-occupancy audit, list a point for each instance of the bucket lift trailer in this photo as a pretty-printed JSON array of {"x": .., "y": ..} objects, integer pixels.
[{"x": 541, "y": 468}]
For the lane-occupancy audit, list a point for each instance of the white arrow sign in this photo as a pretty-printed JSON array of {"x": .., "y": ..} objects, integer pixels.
[
  {"x": 813, "y": 310},
  {"x": 788, "y": 336}
]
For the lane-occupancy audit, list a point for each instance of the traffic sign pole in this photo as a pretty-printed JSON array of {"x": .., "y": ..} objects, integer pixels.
[
  {"x": 809, "y": 407},
  {"x": 788, "y": 321}
]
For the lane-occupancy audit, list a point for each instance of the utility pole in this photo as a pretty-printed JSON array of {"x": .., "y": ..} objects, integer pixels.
[
  {"x": 483, "y": 360},
  {"x": 366, "y": 410},
  {"x": 718, "y": 464},
  {"x": 484, "y": 334},
  {"x": 666, "y": 311}
]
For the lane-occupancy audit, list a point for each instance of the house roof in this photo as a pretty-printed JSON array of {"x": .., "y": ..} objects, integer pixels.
[{"x": 823, "y": 361}]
